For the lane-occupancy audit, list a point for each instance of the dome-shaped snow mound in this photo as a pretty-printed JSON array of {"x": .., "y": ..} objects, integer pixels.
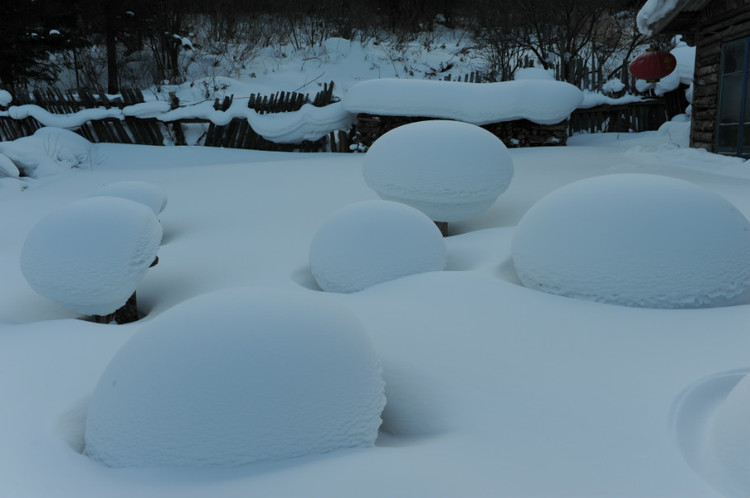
[
  {"x": 90, "y": 255},
  {"x": 236, "y": 377},
  {"x": 636, "y": 240},
  {"x": 146, "y": 193},
  {"x": 449, "y": 170},
  {"x": 372, "y": 242},
  {"x": 729, "y": 438}
]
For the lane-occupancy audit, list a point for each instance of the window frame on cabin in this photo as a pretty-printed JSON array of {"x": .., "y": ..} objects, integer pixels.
[{"x": 733, "y": 121}]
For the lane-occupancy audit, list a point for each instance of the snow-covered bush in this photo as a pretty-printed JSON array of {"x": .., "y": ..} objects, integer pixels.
[
  {"x": 5, "y": 98},
  {"x": 636, "y": 240},
  {"x": 449, "y": 170},
  {"x": 729, "y": 438},
  {"x": 90, "y": 255},
  {"x": 48, "y": 151},
  {"x": 372, "y": 242},
  {"x": 235, "y": 377},
  {"x": 145, "y": 193}
]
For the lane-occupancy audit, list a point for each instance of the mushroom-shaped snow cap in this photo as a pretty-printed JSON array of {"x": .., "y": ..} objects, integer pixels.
[
  {"x": 146, "y": 193},
  {"x": 371, "y": 242},
  {"x": 636, "y": 240},
  {"x": 449, "y": 170},
  {"x": 90, "y": 255},
  {"x": 235, "y": 377},
  {"x": 729, "y": 439}
]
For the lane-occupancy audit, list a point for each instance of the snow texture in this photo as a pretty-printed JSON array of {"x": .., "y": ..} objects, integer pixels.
[
  {"x": 652, "y": 12},
  {"x": 729, "y": 437},
  {"x": 48, "y": 151},
  {"x": 372, "y": 242},
  {"x": 449, "y": 170},
  {"x": 91, "y": 254},
  {"x": 636, "y": 240},
  {"x": 236, "y": 377},
  {"x": 533, "y": 73},
  {"x": 145, "y": 193},
  {"x": 538, "y": 100}
]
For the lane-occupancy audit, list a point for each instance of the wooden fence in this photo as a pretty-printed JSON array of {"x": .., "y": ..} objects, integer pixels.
[
  {"x": 634, "y": 117},
  {"x": 150, "y": 131}
]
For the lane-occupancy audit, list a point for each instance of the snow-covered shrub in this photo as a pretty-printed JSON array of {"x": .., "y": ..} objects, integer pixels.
[
  {"x": 48, "y": 151},
  {"x": 729, "y": 438},
  {"x": 372, "y": 242},
  {"x": 145, "y": 193},
  {"x": 90, "y": 255},
  {"x": 5, "y": 98},
  {"x": 449, "y": 170},
  {"x": 636, "y": 240},
  {"x": 235, "y": 377}
]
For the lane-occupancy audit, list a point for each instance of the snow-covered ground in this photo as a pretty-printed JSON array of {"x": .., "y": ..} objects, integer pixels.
[{"x": 493, "y": 389}]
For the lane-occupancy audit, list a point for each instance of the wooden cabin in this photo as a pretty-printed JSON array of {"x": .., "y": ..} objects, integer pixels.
[{"x": 720, "y": 31}]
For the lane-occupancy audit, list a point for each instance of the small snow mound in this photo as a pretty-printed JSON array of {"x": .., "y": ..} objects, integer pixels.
[
  {"x": 533, "y": 73},
  {"x": 729, "y": 438},
  {"x": 90, "y": 255},
  {"x": 235, "y": 377},
  {"x": 5, "y": 98},
  {"x": 142, "y": 192},
  {"x": 449, "y": 170},
  {"x": 372, "y": 242},
  {"x": 636, "y": 240}
]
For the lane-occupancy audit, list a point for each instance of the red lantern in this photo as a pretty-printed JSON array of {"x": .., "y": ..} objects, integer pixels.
[{"x": 653, "y": 65}]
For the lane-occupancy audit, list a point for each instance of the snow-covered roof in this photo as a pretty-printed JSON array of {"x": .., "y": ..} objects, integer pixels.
[
  {"x": 540, "y": 101},
  {"x": 656, "y": 15}
]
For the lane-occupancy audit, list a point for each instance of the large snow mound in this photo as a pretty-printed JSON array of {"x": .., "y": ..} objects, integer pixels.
[
  {"x": 729, "y": 438},
  {"x": 145, "y": 193},
  {"x": 235, "y": 377},
  {"x": 91, "y": 254},
  {"x": 449, "y": 170},
  {"x": 538, "y": 100},
  {"x": 48, "y": 151},
  {"x": 636, "y": 240},
  {"x": 371, "y": 242}
]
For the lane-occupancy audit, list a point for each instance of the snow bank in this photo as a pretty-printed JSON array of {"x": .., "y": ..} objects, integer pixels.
[
  {"x": 729, "y": 438},
  {"x": 372, "y": 242},
  {"x": 449, "y": 170},
  {"x": 145, "y": 193},
  {"x": 48, "y": 151},
  {"x": 235, "y": 377},
  {"x": 90, "y": 255},
  {"x": 652, "y": 12},
  {"x": 636, "y": 240},
  {"x": 533, "y": 73},
  {"x": 538, "y": 100}
]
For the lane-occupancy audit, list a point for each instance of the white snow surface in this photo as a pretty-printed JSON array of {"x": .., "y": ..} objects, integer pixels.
[
  {"x": 8, "y": 167},
  {"x": 145, "y": 193},
  {"x": 539, "y": 100},
  {"x": 730, "y": 438},
  {"x": 652, "y": 12},
  {"x": 235, "y": 377},
  {"x": 371, "y": 242},
  {"x": 449, "y": 170},
  {"x": 636, "y": 240},
  {"x": 91, "y": 254}
]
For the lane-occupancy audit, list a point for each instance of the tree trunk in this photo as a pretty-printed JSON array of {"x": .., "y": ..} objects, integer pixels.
[{"x": 109, "y": 28}]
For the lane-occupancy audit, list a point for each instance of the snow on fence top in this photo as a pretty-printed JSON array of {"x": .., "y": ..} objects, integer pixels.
[{"x": 541, "y": 101}]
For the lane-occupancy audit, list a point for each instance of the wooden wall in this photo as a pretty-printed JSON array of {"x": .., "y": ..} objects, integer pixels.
[{"x": 720, "y": 21}]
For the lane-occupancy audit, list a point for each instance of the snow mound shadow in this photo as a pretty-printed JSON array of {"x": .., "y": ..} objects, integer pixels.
[
  {"x": 304, "y": 278},
  {"x": 71, "y": 425},
  {"x": 690, "y": 419}
]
